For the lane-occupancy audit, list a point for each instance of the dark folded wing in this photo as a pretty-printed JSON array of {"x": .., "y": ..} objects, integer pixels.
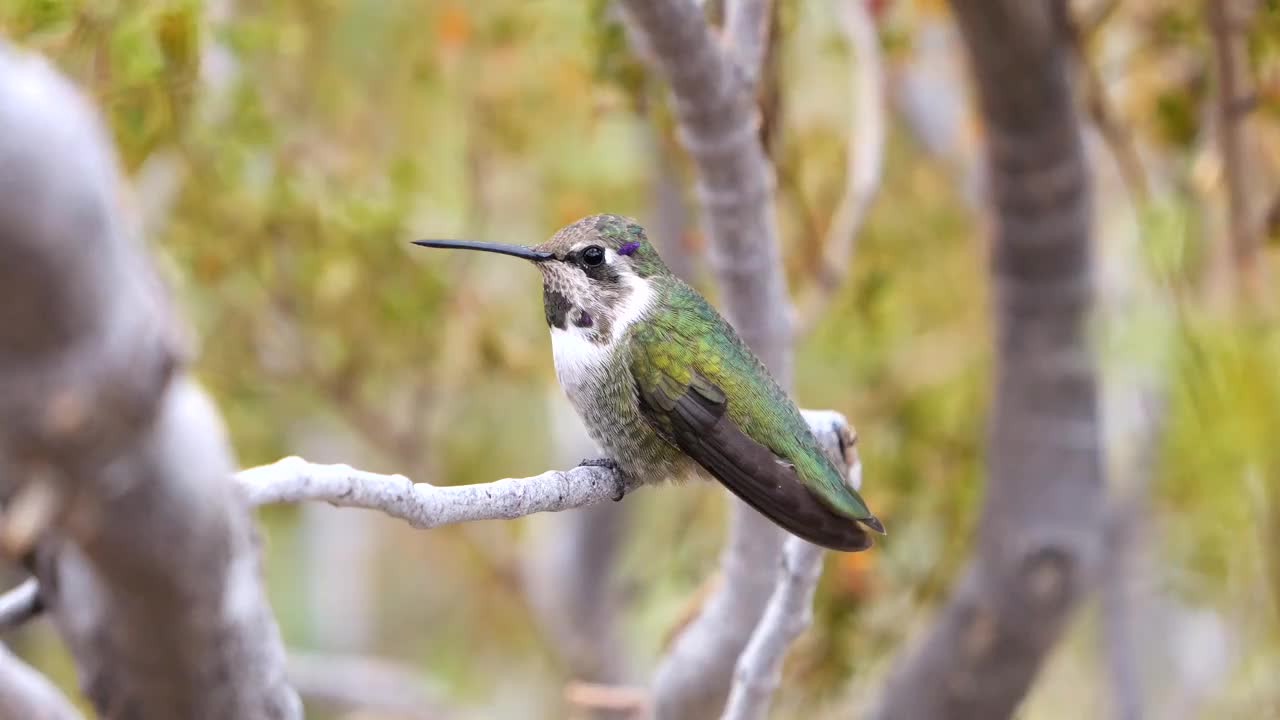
[{"x": 694, "y": 416}]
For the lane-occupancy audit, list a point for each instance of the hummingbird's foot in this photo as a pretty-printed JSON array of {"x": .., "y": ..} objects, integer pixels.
[{"x": 620, "y": 484}]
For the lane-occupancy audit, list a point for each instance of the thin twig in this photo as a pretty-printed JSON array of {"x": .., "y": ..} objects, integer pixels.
[
  {"x": 614, "y": 698},
  {"x": 1097, "y": 16},
  {"x": 790, "y": 611},
  {"x": 1098, "y": 103},
  {"x": 864, "y": 162},
  {"x": 20, "y": 605},
  {"x": 1231, "y": 61}
]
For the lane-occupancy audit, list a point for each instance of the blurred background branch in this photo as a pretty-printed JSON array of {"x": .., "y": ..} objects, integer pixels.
[
  {"x": 570, "y": 574},
  {"x": 1233, "y": 101},
  {"x": 25, "y": 693},
  {"x": 367, "y": 685},
  {"x": 864, "y": 164},
  {"x": 20, "y": 604},
  {"x": 1097, "y": 103}
]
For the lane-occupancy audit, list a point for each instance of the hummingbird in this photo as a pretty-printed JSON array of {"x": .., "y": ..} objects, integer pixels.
[{"x": 667, "y": 388}]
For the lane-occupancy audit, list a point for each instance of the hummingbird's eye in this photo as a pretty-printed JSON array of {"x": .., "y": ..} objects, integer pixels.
[{"x": 593, "y": 256}]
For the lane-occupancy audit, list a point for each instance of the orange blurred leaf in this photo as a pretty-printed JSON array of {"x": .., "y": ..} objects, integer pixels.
[{"x": 453, "y": 26}]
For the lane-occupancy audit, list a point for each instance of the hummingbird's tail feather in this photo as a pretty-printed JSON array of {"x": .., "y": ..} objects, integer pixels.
[
  {"x": 753, "y": 473},
  {"x": 874, "y": 523},
  {"x": 805, "y": 518},
  {"x": 694, "y": 415}
]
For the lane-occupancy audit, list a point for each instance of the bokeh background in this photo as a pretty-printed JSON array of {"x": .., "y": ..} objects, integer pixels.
[{"x": 283, "y": 153}]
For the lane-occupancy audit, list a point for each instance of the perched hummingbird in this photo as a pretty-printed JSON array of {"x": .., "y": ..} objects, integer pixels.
[{"x": 668, "y": 389}]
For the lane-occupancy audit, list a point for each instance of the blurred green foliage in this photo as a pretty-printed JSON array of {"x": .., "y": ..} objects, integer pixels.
[{"x": 307, "y": 142}]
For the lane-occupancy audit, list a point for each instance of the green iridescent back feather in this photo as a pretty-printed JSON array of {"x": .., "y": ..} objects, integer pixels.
[{"x": 684, "y": 335}]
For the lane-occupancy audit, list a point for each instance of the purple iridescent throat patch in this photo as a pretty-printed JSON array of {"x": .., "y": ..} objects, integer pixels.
[{"x": 628, "y": 248}]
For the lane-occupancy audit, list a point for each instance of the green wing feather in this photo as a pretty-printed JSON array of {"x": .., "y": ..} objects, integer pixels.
[{"x": 687, "y": 349}]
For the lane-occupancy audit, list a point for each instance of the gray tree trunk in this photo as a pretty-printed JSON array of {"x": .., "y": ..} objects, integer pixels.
[
  {"x": 114, "y": 466},
  {"x": 1039, "y": 536}
]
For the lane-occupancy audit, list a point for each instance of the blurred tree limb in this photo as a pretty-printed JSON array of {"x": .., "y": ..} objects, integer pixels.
[
  {"x": 715, "y": 108},
  {"x": 864, "y": 164},
  {"x": 26, "y": 694},
  {"x": 1134, "y": 301},
  {"x": 112, "y": 461},
  {"x": 718, "y": 121},
  {"x": 569, "y": 570},
  {"x": 1232, "y": 101},
  {"x": 1039, "y": 535},
  {"x": 614, "y": 700},
  {"x": 341, "y": 681},
  {"x": 364, "y": 684},
  {"x": 20, "y": 604},
  {"x": 1079, "y": 34}
]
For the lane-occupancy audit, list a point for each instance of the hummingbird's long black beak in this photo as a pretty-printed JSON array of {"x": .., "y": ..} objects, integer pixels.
[{"x": 503, "y": 249}]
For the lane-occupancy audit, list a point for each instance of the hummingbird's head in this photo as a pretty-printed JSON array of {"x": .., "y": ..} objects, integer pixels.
[{"x": 597, "y": 275}]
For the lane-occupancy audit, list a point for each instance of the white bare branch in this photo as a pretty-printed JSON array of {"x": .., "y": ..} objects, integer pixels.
[
  {"x": 864, "y": 166},
  {"x": 19, "y": 605},
  {"x": 293, "y": 479},
  {"x": 419, "y": 504},
  {"x": 789, "y": 612}
]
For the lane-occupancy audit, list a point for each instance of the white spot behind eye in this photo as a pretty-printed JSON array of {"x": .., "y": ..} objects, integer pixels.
[{"x": 636, "y": 304}]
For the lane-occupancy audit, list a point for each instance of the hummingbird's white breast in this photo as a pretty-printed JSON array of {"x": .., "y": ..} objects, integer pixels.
[{"x": 582, "y": 359}]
